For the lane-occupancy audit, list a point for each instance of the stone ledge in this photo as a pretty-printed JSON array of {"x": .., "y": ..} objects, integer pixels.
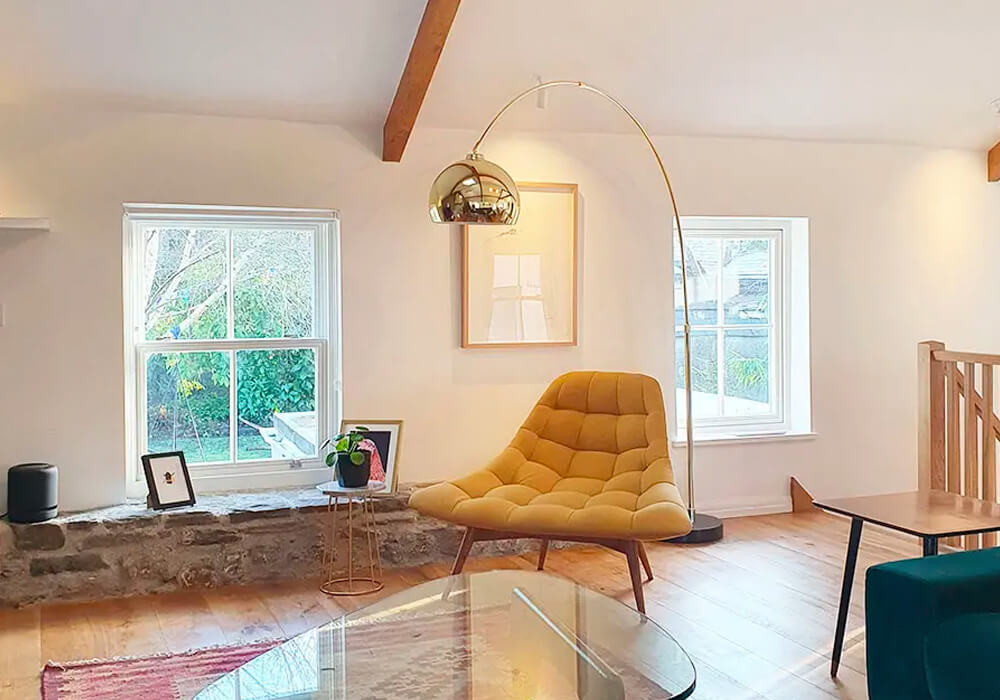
[
  {"x": 224, "y": 539},
  {"x": 271, "y": 503}
]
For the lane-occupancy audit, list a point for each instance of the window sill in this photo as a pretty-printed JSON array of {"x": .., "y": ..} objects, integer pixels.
[
  {"x": 723, "y": 439},
  {"x": 244, "y": 505}
]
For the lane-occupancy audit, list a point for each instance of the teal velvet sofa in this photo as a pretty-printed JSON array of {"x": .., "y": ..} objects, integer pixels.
[{"x": 933, "y": 627}]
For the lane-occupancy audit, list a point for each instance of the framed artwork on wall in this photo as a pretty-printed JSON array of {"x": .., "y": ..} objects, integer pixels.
[
  {"x": 168, "y": 480},
  {"x": 519, "y": 283},
  {"x": 384, "y": 436}
]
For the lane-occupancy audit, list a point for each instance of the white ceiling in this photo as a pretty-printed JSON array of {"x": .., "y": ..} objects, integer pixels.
[
  {"x": 312, "y": 60},
  {"x": 915, "y": 71}
]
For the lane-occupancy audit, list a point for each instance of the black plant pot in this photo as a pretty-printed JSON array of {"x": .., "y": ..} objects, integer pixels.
[{"x": 351, "y": 475}]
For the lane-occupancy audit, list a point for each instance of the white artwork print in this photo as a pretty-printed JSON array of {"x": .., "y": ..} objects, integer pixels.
[{"x": 171, "y": 486}]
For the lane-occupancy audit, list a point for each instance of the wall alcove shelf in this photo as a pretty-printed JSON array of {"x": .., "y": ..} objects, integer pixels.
[{"x": 9, "y": 223}]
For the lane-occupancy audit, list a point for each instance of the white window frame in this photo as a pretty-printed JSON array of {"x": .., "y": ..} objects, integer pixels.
[
  {"x": 325, "y": 340},
  {"x": 788, "y": 328}
]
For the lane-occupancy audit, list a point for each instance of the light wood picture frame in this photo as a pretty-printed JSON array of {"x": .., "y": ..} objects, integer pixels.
[
  {"x": 386, "y": 434},
  {"x": 519, "y": 283}
]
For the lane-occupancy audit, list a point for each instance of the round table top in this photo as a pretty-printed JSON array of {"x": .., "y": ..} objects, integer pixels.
[
  {"x": 333, "y": 488},
  {"x": 500, "y": 634}
]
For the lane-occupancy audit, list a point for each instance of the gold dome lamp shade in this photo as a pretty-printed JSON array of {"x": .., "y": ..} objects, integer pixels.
[{"x": 474, "y": 191}]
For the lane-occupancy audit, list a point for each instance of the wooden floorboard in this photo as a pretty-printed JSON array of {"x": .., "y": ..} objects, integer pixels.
[{"x": 755, "y": 611}]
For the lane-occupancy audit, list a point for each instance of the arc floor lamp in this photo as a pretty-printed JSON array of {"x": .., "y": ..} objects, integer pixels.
[{"x": 478, "y": 191}]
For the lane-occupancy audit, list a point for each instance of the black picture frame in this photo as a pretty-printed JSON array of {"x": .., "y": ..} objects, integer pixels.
[{"x": 148, "y": 467}]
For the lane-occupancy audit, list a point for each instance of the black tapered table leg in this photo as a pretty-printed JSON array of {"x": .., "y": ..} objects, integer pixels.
[
  {"x": 930, "y": 546},
  {"x": 845, "y": 593}
]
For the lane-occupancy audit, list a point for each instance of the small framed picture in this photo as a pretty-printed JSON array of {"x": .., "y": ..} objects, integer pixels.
[
  {"x": 384, "y": 436},
  {"x": 168, "y": 480}
]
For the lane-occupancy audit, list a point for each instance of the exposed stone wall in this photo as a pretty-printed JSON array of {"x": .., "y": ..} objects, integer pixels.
[{"x": 225, "y": 539}]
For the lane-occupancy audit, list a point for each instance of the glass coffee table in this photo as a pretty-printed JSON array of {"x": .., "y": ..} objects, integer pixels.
[{"x": 501, "y": 634}]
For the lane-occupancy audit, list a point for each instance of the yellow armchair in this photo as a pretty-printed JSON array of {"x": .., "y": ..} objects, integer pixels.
[{"x": 590, "y": 464}]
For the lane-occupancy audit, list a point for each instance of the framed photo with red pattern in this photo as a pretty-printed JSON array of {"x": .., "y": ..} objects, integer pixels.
[{"x": 383, "y": 438}]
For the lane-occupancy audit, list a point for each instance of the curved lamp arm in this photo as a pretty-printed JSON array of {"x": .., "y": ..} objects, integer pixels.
[{"x": 689, "y": 421}]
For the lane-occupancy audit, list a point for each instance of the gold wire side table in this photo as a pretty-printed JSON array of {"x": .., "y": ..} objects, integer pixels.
[{"x": 365, "y": 576}]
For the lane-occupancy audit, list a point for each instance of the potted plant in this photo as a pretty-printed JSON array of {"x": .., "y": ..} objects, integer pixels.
[{"x": 352, "y": 464}]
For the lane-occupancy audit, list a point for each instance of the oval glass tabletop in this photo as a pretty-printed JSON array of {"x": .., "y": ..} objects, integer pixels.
[{"x": 501, "y": 634}]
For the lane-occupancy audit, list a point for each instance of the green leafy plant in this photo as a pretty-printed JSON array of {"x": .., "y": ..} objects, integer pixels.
[{"x": 346, "y": 444}]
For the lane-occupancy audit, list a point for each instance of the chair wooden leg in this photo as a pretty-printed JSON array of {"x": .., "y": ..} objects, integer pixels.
[
  {"x": 645, "y": 561},
  {"x": 463, "y": 551},
  {"x": 632, "y": 556},
  {"x": 542, "y": 551}
]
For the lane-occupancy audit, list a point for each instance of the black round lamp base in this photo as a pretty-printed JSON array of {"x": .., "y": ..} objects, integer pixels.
[{"x": 706, "y": 528}]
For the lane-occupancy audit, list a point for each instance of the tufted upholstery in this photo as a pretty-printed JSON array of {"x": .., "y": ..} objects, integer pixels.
[{"x": 590, "y": 461}]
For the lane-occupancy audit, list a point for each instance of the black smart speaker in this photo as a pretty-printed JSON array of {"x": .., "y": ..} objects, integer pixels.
[{"x": 32, "y": 492}]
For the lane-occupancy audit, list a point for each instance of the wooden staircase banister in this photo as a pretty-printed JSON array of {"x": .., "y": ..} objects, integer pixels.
[
  {"x": 977, "y": 402},
  {"x": 958, "y": 427},
  {"x": 980, "y": 358}
]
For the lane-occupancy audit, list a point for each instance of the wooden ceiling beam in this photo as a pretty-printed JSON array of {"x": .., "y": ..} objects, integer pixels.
[
  {"x": 417, "y": 74},
  {"x": 994, "y": 163}
]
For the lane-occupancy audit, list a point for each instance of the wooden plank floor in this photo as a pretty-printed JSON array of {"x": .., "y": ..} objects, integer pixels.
[{"x": 755, "y": 611}]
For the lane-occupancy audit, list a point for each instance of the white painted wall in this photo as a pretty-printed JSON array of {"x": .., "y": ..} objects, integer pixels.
[{"x": 904, "y": 242}]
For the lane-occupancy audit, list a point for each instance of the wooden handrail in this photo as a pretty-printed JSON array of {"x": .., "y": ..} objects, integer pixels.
[{"x": 981, "y": 358}]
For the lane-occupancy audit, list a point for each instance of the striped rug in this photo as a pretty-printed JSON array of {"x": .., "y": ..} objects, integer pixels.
[{"x": 164, "y": 677}]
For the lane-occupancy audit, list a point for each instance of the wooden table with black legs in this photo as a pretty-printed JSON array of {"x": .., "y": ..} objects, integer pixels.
[{"x": 929, "y": 515}]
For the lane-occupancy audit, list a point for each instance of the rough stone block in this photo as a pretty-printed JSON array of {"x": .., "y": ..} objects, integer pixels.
[
  {"x": 209, "y": 536},
  {"x": 245, "y": 516},
  {"x": 86, "y": 561},
  {"x": 396, "y": 516},
  {"x": 160, "y": 566},
  {"x": 40, "y": 536},
  {"x": 264, "y": 555},
  {"x": 133, "y": 523},
  {"x": 106, "y": 540},
  {"x": 6, "y": 539},
  {"x": 233, "y": 566},
  {"x": 274, "y": 527},
  {"x": 390, "y": 504},
  {"x": 200, "y": 575},
  {"x": 173, "y": 520}
]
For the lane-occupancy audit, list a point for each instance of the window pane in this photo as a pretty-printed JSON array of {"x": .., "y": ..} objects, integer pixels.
[
  {"x": 276, "y": 399},
  {"x": 185, "y": 283},
  {"x": 273, "y": 283},
  {"x": 748, "y": 372},
  {"x": 187, "y": 405},
  {"x": 704, "y": 373},
  {"x": 703, "y": 257},
  {"x": 746, "y": 277},
  {"x": 531, "y": 275},
  {"x": 503, "y": 319},
  {"x": 504, "y": 271},
  {"x": 533, "y": 318}
]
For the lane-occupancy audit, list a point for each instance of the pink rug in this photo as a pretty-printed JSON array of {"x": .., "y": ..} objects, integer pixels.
[{"x": 166, "y": 677}]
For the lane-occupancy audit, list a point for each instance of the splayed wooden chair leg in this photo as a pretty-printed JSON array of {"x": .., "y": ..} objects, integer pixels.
[
  {"x": 632, "y": 556},
  {"x": 463, "y": 551},
  {"x": 542, "y": 551},
  {"x": 645, "y": 561}
]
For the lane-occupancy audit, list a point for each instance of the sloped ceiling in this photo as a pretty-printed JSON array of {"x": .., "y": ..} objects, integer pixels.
[{"x": 913, "y": 71}]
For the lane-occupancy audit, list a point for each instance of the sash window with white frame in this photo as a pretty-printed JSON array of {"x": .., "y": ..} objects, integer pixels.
[
  {"x": 232, "y": 341},
  {"x": 749, "y": 326}
]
